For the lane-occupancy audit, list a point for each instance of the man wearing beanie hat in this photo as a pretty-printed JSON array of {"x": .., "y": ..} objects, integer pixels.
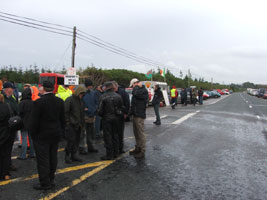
[
  {"x": 91, "y": 104},
  {"x": 47, "y": 127},
  {"x": 74, "y": 115}
]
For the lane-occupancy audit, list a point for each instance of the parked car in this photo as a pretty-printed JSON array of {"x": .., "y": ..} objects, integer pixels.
[
  {"x": 205, "y": 95},
  {"x": 261, "y": 92}
]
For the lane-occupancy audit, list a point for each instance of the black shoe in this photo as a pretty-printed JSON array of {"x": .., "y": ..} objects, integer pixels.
[
  {"x": 74, "y": 157},
  {"x": 158, "y": 123},
  {"x": 83, "y": 152},
  {"x": 121, "y": 151},
  {"x": 12, "y": 168},
  {"x": 141, "y": 154},
  {"x": 38, "y": 186},
  {"x": 68, "y": 158},
  {"x": 93, "y": 150},
  {"x": 106, "y": 158},
  {"x": 20, "y": 158}
]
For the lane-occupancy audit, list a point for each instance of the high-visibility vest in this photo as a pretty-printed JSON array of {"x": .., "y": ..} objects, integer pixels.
[
  {"x": 63, "y": 93},
  {"x": 173, "y": 93}
]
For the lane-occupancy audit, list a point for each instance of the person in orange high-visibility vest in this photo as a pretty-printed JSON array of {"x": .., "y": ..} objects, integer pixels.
[
  {"x": 1, "y": 85},
  {"x": 174, "y": 95}
]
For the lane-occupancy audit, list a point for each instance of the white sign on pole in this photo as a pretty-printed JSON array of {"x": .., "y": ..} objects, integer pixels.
[
  {"x": 166, "y": 98},
  {"x": 71, "y": 80}
]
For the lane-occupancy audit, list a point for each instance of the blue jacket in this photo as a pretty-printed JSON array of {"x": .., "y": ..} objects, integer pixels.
[{"x": 91, "y": 103}]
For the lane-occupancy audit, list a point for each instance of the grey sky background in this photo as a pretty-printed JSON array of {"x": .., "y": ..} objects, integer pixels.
[{"x": 224, "y": 40}]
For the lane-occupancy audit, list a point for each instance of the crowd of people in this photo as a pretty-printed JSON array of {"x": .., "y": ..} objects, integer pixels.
[{"x": 76, "y": 117}]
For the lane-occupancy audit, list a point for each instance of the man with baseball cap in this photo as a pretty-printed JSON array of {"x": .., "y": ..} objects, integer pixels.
[{"x": 138, "y": 110}]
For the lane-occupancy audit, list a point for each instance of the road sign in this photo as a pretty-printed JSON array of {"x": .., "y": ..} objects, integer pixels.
[{"x": 71, "y": 80}]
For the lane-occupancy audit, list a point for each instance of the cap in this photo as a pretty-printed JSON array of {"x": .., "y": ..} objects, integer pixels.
[
  {"x": 88, "y": 82},
  {"x": 8, "y": 85},
  {"x": 134, "y": 80},
  {"x": 27, "y": 85},
  {"x": 48, "y": 84}
]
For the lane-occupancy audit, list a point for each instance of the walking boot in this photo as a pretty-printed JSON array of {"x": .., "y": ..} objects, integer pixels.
[
  {"x": 106, "y": 158},
  {"x": 82, "y": 151},
  {"x": 75, "y": 157},
  {"x": 135, "y": 151},
  {"x": 92, "y": 150},
  {"x": 68, "y": 158},
  {"x": 141, "y": 154}
]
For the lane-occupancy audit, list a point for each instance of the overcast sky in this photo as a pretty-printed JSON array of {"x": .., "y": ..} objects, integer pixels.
[{"x": 221, "y": 39}]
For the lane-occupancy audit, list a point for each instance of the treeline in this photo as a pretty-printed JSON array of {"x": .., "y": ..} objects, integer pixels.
[{"x": 99, "y": 76}]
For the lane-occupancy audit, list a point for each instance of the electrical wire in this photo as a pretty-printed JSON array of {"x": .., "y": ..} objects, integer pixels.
[
  {"x": 35, "y": 27},
  {"x": 35, "y": 20},
  {"x": 118, "y": 50},
  {"x": 22, "y": 21}
]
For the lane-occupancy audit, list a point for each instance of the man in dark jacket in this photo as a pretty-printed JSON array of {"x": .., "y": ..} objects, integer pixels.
[
  {"x": 74, "y": 115},
  {"x": 4, "y": 139},
  {"x": 25, "y": 109},
  {"x": 98, "y": 120},
  {"x": 48, "y": 124},
  {"x": 126, "y": 107},
  {"x": 110, "y": 109},
  {"x": 157, "y": 98},
  {"x": 138, "y": 110},
  {"x": 91, "y": 104},
  {"x": 8, "y": 90},
  {"x": 200, "y": 96}
]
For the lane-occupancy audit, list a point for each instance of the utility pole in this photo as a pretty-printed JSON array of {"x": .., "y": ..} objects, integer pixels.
[{"x": 73, "y": 47}]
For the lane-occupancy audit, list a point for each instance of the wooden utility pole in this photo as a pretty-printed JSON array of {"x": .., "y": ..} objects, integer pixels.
[{"x": 73, "y": 47}]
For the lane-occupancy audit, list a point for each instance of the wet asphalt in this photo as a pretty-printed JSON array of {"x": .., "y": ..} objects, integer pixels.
[{"x": 214, "y": 151}]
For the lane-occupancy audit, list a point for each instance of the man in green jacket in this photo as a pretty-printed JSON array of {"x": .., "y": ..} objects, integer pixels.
[{"x": 74, "y": 116}]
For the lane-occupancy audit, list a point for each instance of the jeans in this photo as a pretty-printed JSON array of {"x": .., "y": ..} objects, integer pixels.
[
  {"x": 200, "y": 99},
  {"x": 156, "y": 109},
  {"x": 24, "y": 145}
]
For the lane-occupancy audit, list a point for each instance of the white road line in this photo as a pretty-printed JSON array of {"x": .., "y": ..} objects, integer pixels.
[
  {"x": 258, "y": 117},
  {"x": 179, "y": 121},
  {"x": 153, "y": 118},
  {"x": 164, "y": 116},
  {"x": 250, "y": 106}
]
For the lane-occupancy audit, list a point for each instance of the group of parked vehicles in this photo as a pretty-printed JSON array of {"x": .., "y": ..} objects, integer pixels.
[{"x": 261, "y": 93}]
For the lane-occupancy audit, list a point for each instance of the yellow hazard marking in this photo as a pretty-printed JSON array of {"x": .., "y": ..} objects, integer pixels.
[
  {"x": 77, "y": 181},
  {"x": 59, "y": 171}
]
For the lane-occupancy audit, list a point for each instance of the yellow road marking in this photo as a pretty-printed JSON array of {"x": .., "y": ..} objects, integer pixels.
[
  {"x": 59, "y": 171},
  {"x": 82, "y": 178},
  {"x": 77, "y": 181}
]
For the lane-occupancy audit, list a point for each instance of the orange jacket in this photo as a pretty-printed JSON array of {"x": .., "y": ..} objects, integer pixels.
[{"x": 35, "y": 93}]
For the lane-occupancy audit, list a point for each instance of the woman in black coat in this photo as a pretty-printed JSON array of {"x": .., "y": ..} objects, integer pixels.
[
  {"x": 25, "y": 108},
  {"x": 158, "y": 96},
  {"x": 4, "y": 139}
]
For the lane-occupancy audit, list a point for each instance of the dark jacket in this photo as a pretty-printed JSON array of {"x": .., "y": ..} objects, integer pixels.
[
  {"x": 110, "y": 106},
  {"x": 47, "y": 118},
  {"x": 90, "y": 101},
  {"x": 139, "y": 101},
  {"x": 25, "y": 108},
  {"x": 126, "y": 100},
  {"x": 200, "y": 93},
  {"x": 4, "y": 129},
  {"x": 74, "y": 109},
  {"x": 158, "y": 96},
  {"x": 13, "y": 104}
]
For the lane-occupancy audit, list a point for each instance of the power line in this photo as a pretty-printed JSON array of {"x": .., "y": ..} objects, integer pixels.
[
  {"x": 22, "y": 21},
  {"x": 118, "y": 50},
  {"x": 35, "y": 20},
  {"x": 34, "y": 27}
]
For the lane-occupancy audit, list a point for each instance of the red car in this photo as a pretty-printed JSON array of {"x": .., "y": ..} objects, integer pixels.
[{"x": 221, "y": 92}]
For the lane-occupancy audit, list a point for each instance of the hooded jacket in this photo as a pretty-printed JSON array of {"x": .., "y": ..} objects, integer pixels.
[
  {"x": 158, "y": 96},
  {"x": 74, "y": 109},
  {"x": 139, "y": 102},
  {"x": 63, "y": 93},
  {"x": 25, "y": 108},
  {"x": 35, "y": 93}
]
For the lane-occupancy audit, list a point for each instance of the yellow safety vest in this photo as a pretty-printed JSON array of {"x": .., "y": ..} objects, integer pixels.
[{"x": 173, "y": 93}]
